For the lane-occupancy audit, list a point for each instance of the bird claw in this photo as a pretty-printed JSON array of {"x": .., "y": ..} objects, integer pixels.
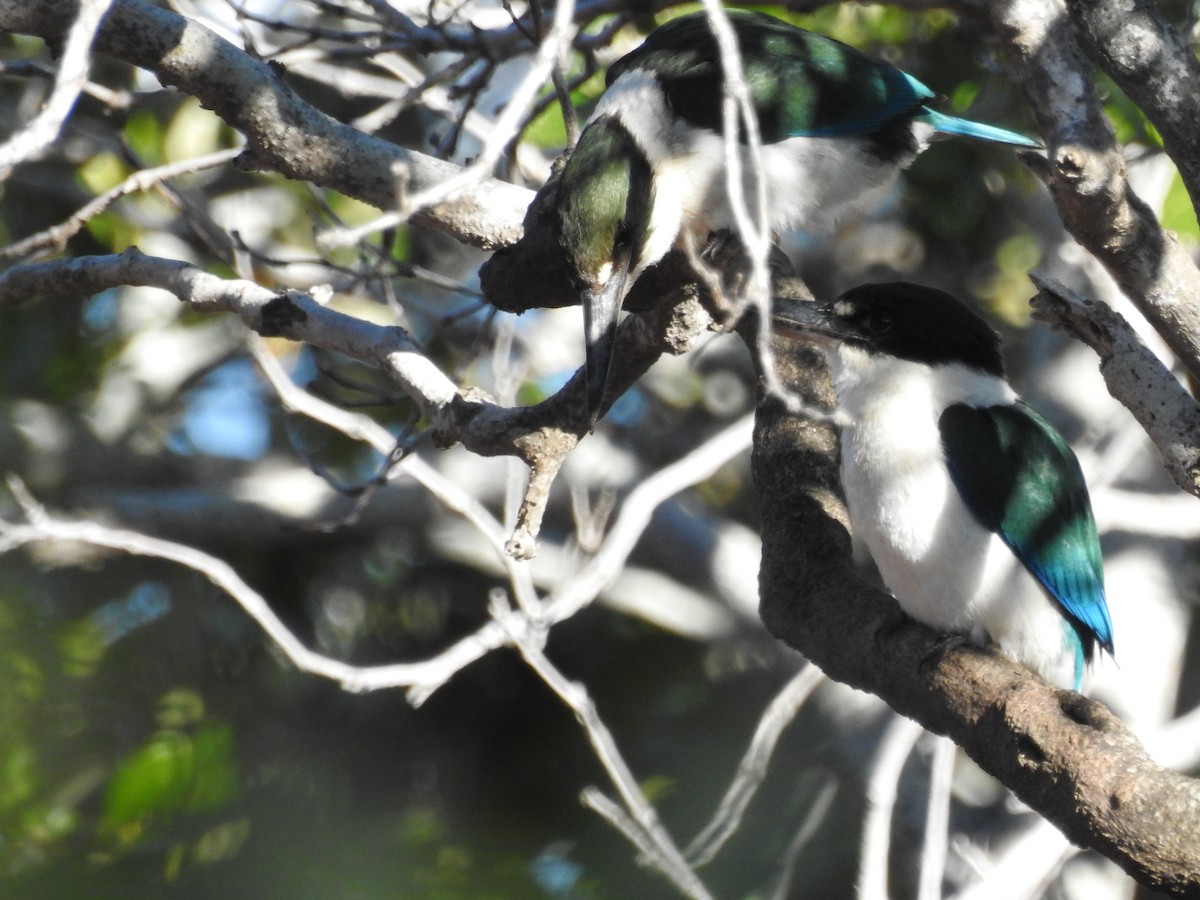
[
  {"x": 896, "y": 619},
  {"x": 940, "y": 648}
]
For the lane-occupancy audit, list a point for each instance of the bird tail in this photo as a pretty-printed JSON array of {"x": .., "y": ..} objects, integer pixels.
[{"x": 944, "y": 124}]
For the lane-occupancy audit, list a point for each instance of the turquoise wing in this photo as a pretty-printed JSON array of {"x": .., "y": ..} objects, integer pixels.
[
  {"x": 1021, "y": 480},
  {"x": 802, "y": 84}
]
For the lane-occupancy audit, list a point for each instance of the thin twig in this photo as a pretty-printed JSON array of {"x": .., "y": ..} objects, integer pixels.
[
  {"x": 1023, "y": 869},
  {"x": 937, "y": 819},
  {"x": 55, "y": 238},
  {"x": 817, "y": 811},
  {"x": 882, "y": 789},
  {"x": 362, "y": 428},
  {"x": 753, "y": 766},
  {"x": 561, "y": 34},
  {"x": 740, "y": 119},
  {"x": 661, "y": 850},
  {"x": 30, "y": 141},
  {"x": 635, "y": 515}
]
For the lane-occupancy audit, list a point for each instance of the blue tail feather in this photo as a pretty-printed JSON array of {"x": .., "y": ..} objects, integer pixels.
[{"x": 945, "y": 124}]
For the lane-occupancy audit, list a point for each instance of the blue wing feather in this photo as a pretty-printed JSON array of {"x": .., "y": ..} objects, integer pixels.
[{"x": 1020, "y": 479}]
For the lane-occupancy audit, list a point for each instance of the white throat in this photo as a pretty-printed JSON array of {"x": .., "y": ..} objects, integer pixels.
[{"x": 871, "y": 384}]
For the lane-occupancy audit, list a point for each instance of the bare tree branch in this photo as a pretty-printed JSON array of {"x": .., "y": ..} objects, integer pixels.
[
  {"x": 283, "y": 133},
  {"x": 55, "y": 239},
  {"x": 1133, "y": 374},
  {"x": 660, "y": 849},
  {"x": 1022, "y": 871},
  {"x": 1087, "y": 174},
  {"x": 753, "y": 768},
  {"x": 296, "y": 316},
  {"x": 420, "y": 677},
  {"x": 541, "y": 436},
  {"x": 1068, "y": 758},
  {"x": 1153, "y": 65},
  {"x": 883, "y": 787},
  {"x": 937, "y": 819},
  {"x": 32, "y": 140}
]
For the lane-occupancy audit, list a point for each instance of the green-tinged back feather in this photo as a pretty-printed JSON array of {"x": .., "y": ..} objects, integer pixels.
[
  {"x": 802, "y": 84},
  {"x": 605, "y": 197}
]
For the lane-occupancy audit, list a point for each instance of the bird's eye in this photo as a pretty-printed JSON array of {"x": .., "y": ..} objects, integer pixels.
[{"x": 878, "y": 322}]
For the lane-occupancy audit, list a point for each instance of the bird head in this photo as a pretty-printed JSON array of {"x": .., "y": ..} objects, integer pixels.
[{"x": 906, "y": 321}]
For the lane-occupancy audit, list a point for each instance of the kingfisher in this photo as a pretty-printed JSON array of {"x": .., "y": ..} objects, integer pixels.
[
  {"x": 836, "y": 126},
  {"x": 972, "y": 505}
]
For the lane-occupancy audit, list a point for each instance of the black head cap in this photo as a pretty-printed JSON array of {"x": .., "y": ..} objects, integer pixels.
[{"x": 907, "y": 321}]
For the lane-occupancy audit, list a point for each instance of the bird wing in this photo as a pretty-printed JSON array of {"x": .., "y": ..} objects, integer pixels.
[
  {"x": 802, "y": 84},
  {"x": 1020, "y": 479}
]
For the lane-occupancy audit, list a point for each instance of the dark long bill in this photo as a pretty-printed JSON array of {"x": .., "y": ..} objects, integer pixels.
[
  {"x": 805, "y": 320},
  {"x": 601, "y": 309}
]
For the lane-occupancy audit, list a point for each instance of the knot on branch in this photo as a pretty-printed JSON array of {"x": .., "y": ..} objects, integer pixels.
[
  {"x": 460, "y": 416},
  {"x": 1088, "y": 172},
  {"x": 280, "y": 316},
  {"x": 1089, "y": 713},
  {"x": 684, "y": 322}
]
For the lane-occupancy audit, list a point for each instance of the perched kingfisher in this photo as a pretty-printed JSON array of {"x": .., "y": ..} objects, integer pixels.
[
  {"x": 972, "y": 505},
  {"x": 837, "y": 126}
]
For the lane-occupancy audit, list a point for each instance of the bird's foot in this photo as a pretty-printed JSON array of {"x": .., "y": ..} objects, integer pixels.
[{"x": 940, "y": 648}]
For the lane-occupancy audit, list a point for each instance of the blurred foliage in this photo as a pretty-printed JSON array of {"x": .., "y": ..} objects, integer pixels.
[
  {"x": 187, "y": 765},
  {"x": 547, "y": 130},
  {"x": 1178, "y": 213}
]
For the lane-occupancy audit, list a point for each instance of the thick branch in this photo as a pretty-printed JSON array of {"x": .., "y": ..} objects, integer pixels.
[
  {"x": 1150, "y": 62},
  {"x": 283, "y": 132},
  {"x": 1087, "y": 174},
  {"x": 1068, "y": 757}
]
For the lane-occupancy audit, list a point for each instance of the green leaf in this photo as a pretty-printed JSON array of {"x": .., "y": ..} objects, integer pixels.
[
  {"x": 193, "y": 131},
  {"x": 82, "y": 647},
  {"x": 1178, "y": 214},
  {"x": 144, "y": 132},
  {"x": 18, "y": 775},
  {"x": 102, "y": 172},
  {"x": 215, "y": 782},
  {"x": 154, "y": 781}
]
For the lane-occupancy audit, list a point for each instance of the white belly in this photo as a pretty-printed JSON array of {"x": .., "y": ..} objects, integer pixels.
[
  {"x": 944, "y": 568},
  {"x": 947, "y": 571}
]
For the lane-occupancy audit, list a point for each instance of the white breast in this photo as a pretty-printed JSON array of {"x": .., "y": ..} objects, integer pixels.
[
  {"x": 811, "y": 183},
  {"x": 943, "y": 567}
]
